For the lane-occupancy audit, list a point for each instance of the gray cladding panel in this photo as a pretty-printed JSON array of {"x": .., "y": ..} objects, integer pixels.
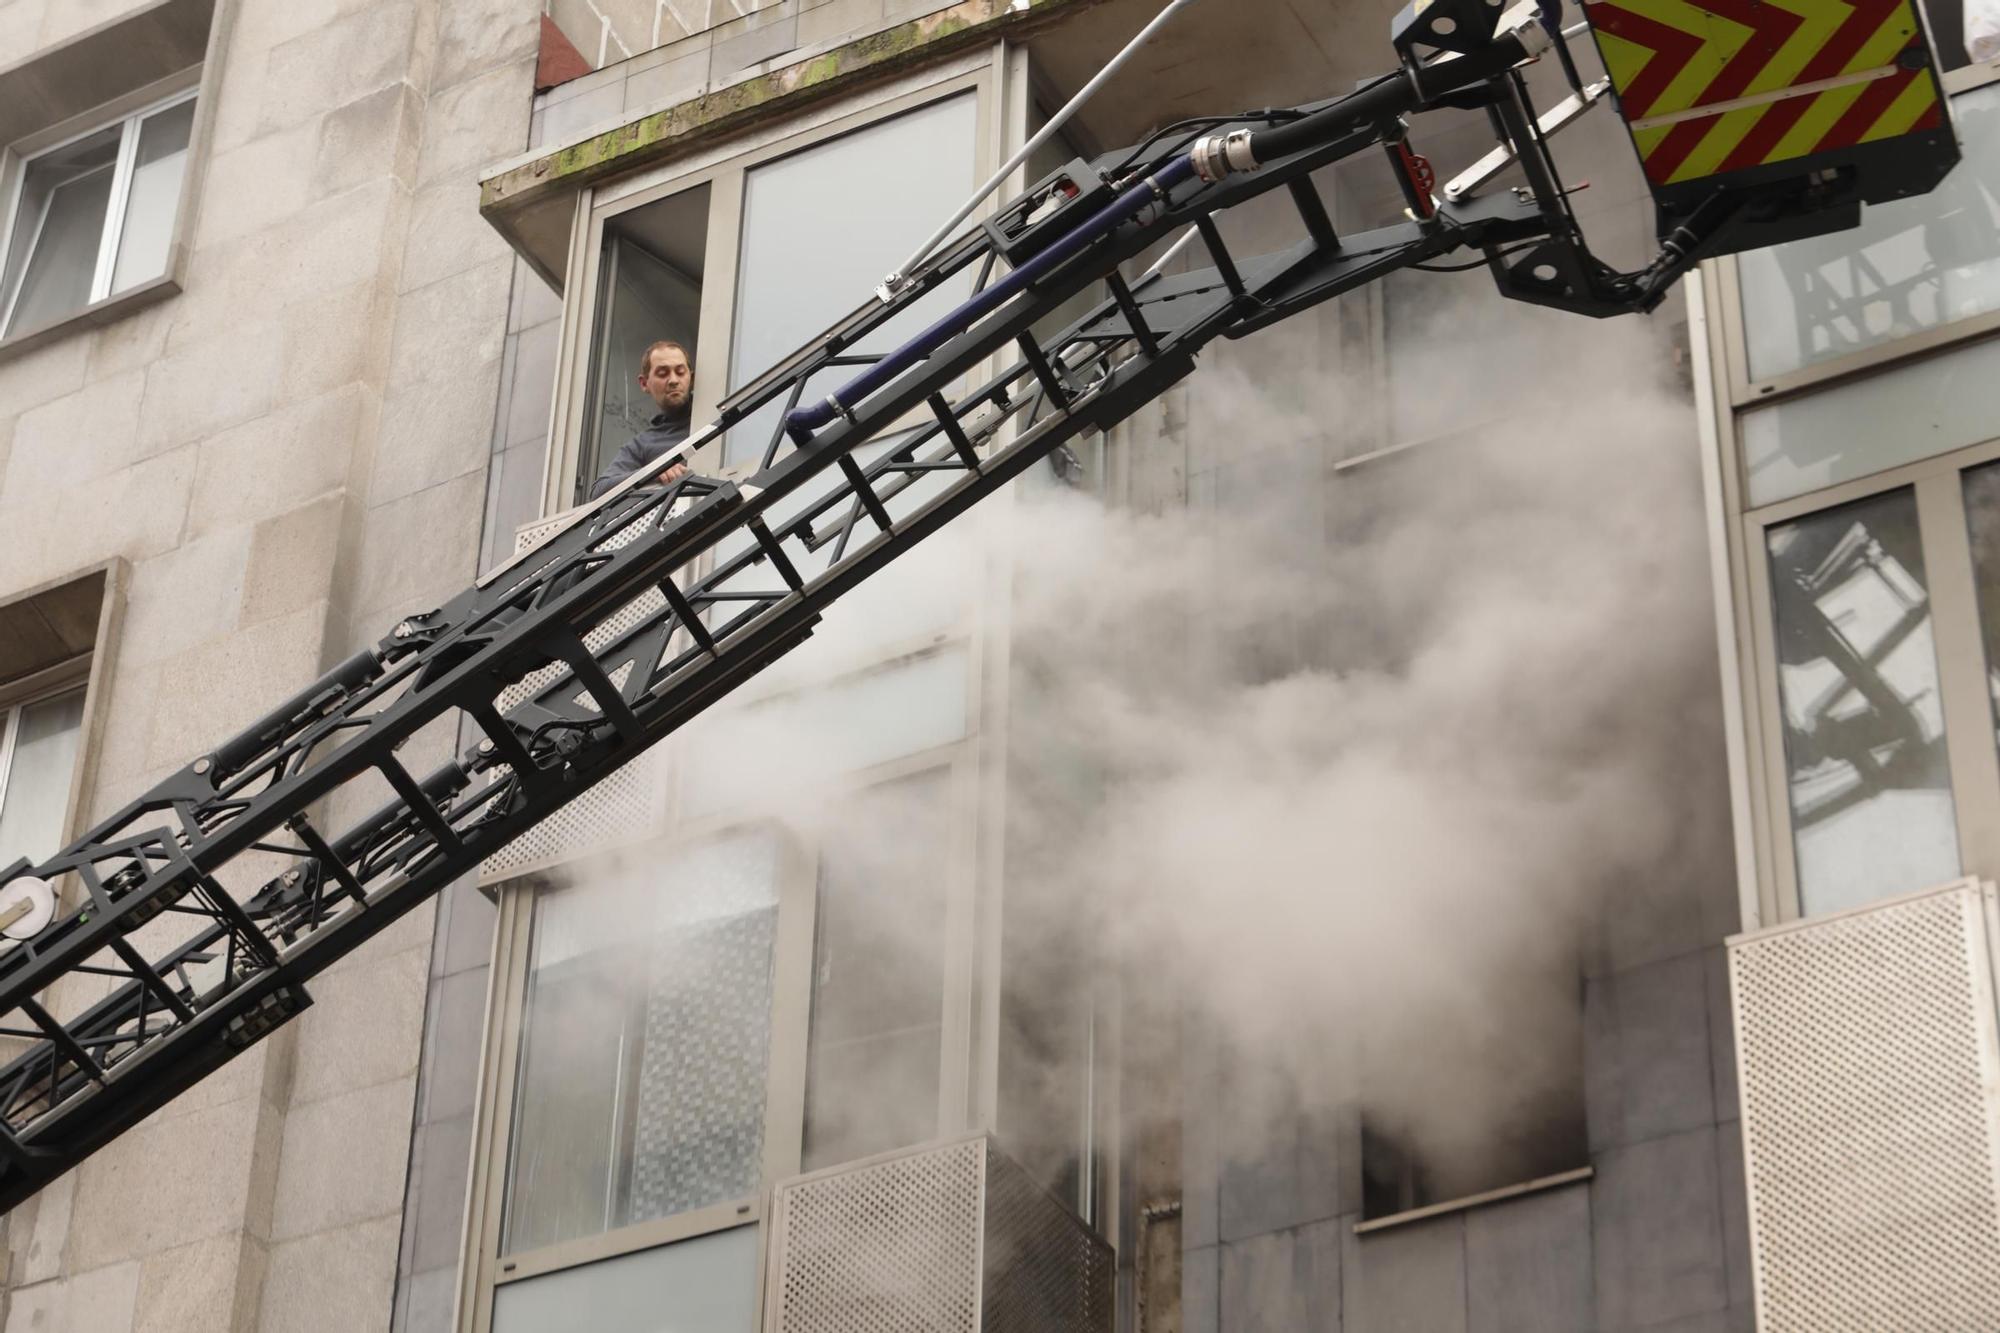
[
  {"x": 1527, "y": 1264},
  {"x": 1283, "y": 1280},
  {"x": 1409, "y": 1279},
  {"x": 1658, "y": 1231}
]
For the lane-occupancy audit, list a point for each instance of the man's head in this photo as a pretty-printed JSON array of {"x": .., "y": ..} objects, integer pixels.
[{"x": 668, "y": 376}]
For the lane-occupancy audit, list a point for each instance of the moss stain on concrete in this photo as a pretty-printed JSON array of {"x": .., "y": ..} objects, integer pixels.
[{"x": 658, "y": 136}]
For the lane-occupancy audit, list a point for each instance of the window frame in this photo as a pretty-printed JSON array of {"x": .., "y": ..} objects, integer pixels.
[
  {"x": 128, "y": 114},
  {"x": 1767, "y": 867},
  {"x": 724, "y": 170}
]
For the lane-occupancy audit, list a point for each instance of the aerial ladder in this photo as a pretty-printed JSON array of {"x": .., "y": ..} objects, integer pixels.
[{"x": 186, "y": 925}]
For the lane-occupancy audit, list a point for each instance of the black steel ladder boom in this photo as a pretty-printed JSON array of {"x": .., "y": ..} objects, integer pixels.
[{"x": 200, "y": 910}]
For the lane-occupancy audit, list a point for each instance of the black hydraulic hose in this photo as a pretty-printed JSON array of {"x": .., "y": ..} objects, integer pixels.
[{"x": 1394, "y": 96}]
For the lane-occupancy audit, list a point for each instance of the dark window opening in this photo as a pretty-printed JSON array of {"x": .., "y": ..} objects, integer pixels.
[{"x": 649, "y": 290}]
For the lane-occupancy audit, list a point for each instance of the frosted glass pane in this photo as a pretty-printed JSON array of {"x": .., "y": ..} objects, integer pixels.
[
  {"x": 646, "y": 1043},
  {"x": 734, "y": 756},
  {"x": 1910, "y": 265},
  {"x": 58, "y": 228},
  {"x": 37, "y": 792},
  {"x": 704, "y": 1285},
  {"x": 822, "y": 228},
  {"x": 1863, "y": 426},
  {"x": 1864, "y": 729},
  {"x": 154, "y": 198}
]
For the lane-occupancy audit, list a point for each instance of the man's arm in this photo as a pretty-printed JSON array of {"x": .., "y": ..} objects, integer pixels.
[{"x": 629, "y": 460}]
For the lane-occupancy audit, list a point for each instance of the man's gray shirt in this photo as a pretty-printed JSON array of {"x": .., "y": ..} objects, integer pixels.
[{"x": 662, "y": 433}]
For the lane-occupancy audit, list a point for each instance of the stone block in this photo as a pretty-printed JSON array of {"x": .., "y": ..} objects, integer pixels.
[
  {"x": 340, "y": 337},
  {"x": 298, "y": 453},
  {"x": 438, "y": 1192},
  {"x": 1649, "y": 1056},
  {"x": 476, "y": 122},
  {"x": 343, "y": 1161},
  {"x": 47, "y": 372},
  {"x": 418, "y": 549},
  {"x": 826, "y": 24},
  {"x": 374, "y": 136},
  {"x": 341, "y": 1281},
  {"x": 50, "y": 537},
  {"x": 132, "y": 342},
  {"x": 435, "y": 431},
  {"x": 209, "y": 386},
  {"x": 165, "y": 1184},
  {"x": 100, "y": 1301},
  {"x": 1409, "y": 1279},
  {"x": 20, "y": 25},
  {"x": 338, "y": 62},
  {"x": 533, "y": 386},
  {"x": 184, "y": 597},
  {"x": 450, "y": 325},
  {"x": 479, "y": 36},
  {"x": 1657, "y": 1221},
  {"x": 200, "y": 1288},
  {"x": 363, "y": 1028},
  {"x": 218, "y": 688},
  {"x": 293, "y": 265},
  {"x": 76, "y": 438},
  {"x": 1527, "y": 1264},
  {"x": 291, "y": 561},
  {"x": 1283, "y": 1280},
  {"x": 454, "y": 1028},
  {"x": 257, "y": 183},
  {"x": 447, "y": 235}
]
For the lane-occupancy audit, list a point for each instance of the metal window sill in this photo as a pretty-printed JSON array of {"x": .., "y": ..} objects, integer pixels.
[{"x": 1471, "y": 1201}]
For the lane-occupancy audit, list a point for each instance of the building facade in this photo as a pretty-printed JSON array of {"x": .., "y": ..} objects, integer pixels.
[{"x": 1301, "y": 826}]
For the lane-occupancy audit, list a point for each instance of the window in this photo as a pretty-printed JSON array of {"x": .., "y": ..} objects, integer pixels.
[
  {"x": 94, "y": 216},
  {"x": 1912, "y": 265},
  {"x": 645, "y": 1044},
  {"x": 38, "y": 744},
  {"x": 1864, "y": 726},
  {"x": 649, "y": 291}
]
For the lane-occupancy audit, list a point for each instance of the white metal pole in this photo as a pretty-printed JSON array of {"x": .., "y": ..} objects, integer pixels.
[{"x": 892, "y": 283}]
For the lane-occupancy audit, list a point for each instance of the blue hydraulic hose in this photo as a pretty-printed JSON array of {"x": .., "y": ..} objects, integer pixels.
[{"x": 802, "y": 422}]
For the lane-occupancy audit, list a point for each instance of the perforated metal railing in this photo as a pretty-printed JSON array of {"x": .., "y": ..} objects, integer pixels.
[
  {"x": 1871, "y": 1117},
  {"x": 951, "y": 1237}
]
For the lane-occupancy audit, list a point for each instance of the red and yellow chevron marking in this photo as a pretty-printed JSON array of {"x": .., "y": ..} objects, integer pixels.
[{"x": 1711, "y": 86}]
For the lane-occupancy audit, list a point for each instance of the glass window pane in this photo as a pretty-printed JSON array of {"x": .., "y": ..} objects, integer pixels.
[
  {"x": 1982, "y": 512},
  {"x": 1849, "y": 430},
  {"x": 37, "y": 792},
  {"x": 822, "y": 228},
  {"x": 1864, "y": 727},
  {"x": 154, "y": 198},
  {"x": 733, "y": 757},
  {"x": 704, "y": 1285},
  {"x": 878, "y": 972},
  {"x": 1911, "y": 265},
  {"x": 645, "y": 1043},
  {"x": 58, "y": 228}
]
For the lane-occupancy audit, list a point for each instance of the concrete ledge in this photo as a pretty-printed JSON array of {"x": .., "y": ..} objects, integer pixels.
[
  {"x": 78, "y": 75},
  {"x": 529, "y": 201}
]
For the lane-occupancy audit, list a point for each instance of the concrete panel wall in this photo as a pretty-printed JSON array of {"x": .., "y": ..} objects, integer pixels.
[{"x": 291, "y": 453}]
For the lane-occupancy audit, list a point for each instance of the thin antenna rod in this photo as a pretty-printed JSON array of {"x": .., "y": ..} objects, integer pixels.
[{"x": 895, "y": 281}]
